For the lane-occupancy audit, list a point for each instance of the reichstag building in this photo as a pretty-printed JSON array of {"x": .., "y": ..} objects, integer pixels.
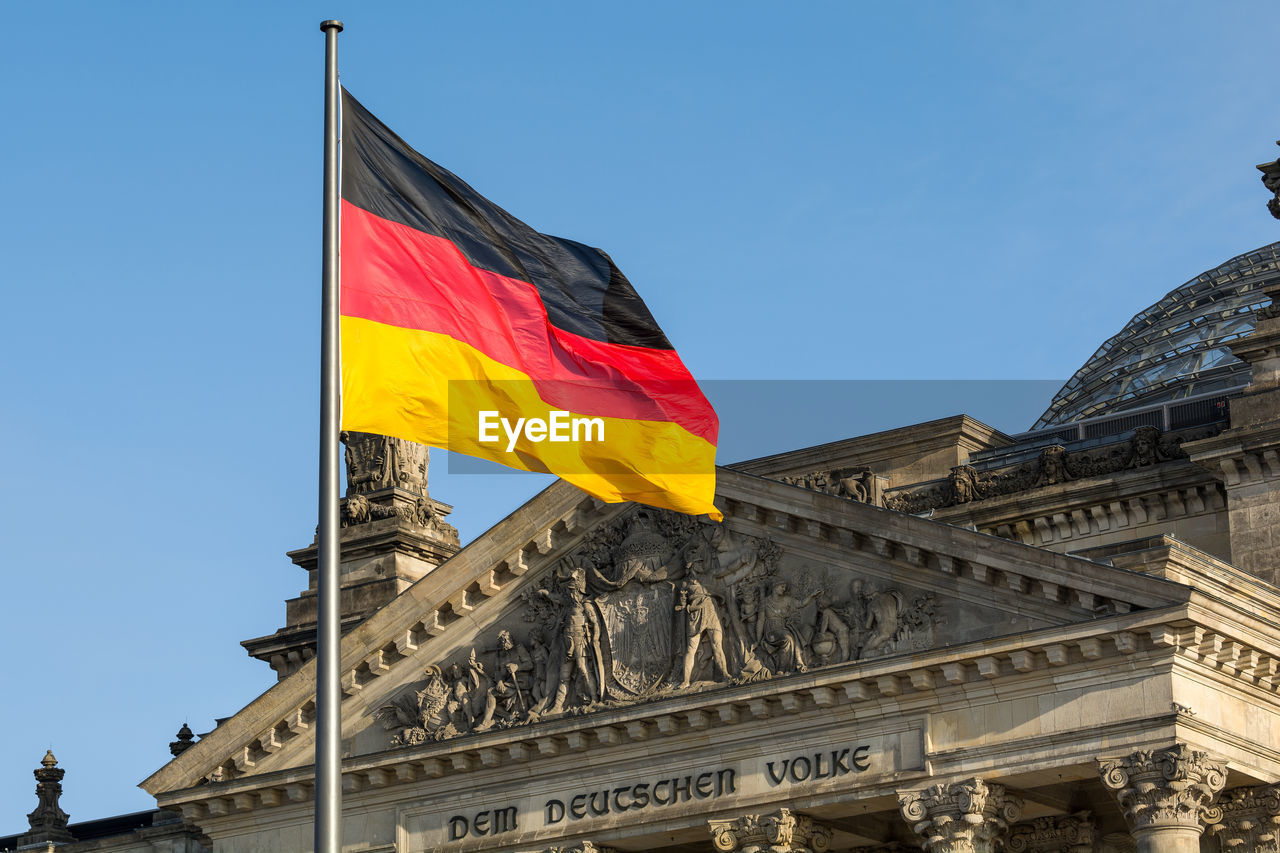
[{"x": 939, "y": 637}]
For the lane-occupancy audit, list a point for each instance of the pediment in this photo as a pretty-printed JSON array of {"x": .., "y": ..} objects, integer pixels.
[{"x": 571, "y": 608}]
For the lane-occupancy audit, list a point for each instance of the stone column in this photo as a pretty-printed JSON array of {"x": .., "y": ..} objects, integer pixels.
[
  {"x": 1250, "y": 821},
  {"x": 1166, "y": 795},
  {"x": 1066, "y": 834},
  {"x": 970, "y": 816},
  {"x": 783, "y": 831}
]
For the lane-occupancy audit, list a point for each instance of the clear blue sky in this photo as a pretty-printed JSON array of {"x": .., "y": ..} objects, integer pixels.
[{"x": 831, "y": 191}]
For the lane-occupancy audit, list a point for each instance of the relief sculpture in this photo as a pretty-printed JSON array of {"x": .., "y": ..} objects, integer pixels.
[
  {"x": 1054, "y": 465},
  {"x": 650, "y": 606},
  {"x": 378, "y": 466},
  {"x": 857, "y": 484},
  {"x": 378, "y": 461}
]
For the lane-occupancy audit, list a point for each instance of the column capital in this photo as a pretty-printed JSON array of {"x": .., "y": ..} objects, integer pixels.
[
  {"x": 1066, "y": 834},
  {"x": 1250, "y": 819},
  {"x": 782, "y": 831},
  {"x": 961, "y": 817},
  {"x": 1165, "y": 788}
]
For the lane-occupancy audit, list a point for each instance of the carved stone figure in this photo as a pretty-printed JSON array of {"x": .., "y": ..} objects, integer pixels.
[
  {"x": 650, "y": 605},
  {"x": 1144, "y": 447},
  {"x": 831, "y": 629},
  {"x": 578, "y": 630},
  {"x": 1053, "y": 466},
  {"x": 964, "y": 484},
  {"x": 424, "y": 513},
  {"x": 416, "y": 715},
  {"x": 857, "y": 484},
  {"x": 699, "y": 609},
  {"x": 884, "y": 607},
  {"x": 507, "y": 699},
  {"x": 1271, "y": 180},
  {"x": 882, "y": 622},
  {"x": 357, "y": 509},
  {"x": 538, "y": 656},
  {"x": 738, "y": 557},
  {"x": 468, "y": 687},
  {"x": 780, "y": 630}
]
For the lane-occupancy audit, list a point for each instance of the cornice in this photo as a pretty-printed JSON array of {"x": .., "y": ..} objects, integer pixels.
[
  {"x": 1088, "y": 507},
  {"x": 904, "y": 680},
  {"x": 958, "y": 431},
  {"x": 1240, "y": 456}
]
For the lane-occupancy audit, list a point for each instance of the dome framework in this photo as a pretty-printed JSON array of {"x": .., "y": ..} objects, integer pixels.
[{"x": 1175, "y": 349}]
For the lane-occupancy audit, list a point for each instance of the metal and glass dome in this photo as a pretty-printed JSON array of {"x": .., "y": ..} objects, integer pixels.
[{"x": 1175, "y": 349}]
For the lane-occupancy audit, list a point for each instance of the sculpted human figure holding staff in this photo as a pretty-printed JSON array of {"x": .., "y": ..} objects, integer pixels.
[
  {"x": 579, "y": 630},
  {"x": 508, "y": 698},
  {"x": 700, "y": 618}
]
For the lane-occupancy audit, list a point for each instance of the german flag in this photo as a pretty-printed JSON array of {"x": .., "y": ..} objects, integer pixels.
[{"x": 463, "y": 328}]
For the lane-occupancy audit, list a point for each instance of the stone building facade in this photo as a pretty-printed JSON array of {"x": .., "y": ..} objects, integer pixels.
[{"x": 937, "y": 638}]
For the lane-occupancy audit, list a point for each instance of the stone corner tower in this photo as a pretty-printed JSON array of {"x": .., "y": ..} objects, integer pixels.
[{"x": 393, "y": 533}]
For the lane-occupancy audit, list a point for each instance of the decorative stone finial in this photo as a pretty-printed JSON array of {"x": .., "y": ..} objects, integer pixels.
[
  {"x": 48, "y": 822},
  {"x": 970, "y": 816},
  {"x": 186, "y": 740}
]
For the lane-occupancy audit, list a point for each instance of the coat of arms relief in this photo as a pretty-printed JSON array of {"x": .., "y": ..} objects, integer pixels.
[{"x": 653, "y": 605}]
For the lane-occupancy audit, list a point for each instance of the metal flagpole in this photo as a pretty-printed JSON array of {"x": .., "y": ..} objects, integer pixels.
[{"x": 328, "y": 825}]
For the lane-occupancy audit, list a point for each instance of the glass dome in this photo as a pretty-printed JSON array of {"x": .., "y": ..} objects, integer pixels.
[{"x": 1177, "y": 348}]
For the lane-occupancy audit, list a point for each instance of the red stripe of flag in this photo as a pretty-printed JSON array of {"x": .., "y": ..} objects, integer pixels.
[{"x": 400, "y": 276}]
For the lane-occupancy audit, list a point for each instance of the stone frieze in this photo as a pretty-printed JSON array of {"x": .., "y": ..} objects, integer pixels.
[
  {"x": 966, "y": 484},
  {"x": 652, "y": 605}
]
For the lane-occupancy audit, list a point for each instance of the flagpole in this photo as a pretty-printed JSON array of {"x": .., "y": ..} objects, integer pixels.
[{"x": 328, "y": 817}]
